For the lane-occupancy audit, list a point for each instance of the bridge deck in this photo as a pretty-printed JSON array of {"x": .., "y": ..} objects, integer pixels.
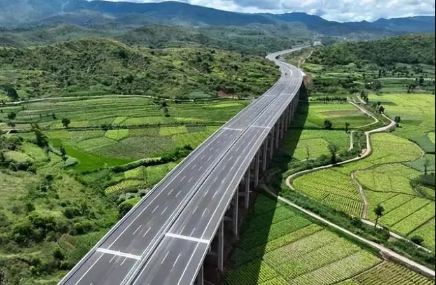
[{"x": 141, "y": 233}]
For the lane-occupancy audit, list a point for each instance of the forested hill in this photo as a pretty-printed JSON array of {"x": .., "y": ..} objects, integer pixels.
[
  {"x": 412, "y": 49},
  {"x": 103, "y": 66}
]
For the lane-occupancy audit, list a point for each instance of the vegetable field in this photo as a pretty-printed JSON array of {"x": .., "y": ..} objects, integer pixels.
[
  {"x": 338, "y": 114},
  {"x": 386, "y": 178},
  {"x": 281, "y": 247},
  {"x": 122, "y": 129}
]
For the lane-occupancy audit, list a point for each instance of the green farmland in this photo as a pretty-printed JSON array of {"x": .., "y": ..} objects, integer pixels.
[
  {"x": 121, "y": 130},
  {"x": 281, "y": 247}
]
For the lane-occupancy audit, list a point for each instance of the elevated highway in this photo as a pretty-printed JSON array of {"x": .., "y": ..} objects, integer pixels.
[{"x": 164, "y": 239}]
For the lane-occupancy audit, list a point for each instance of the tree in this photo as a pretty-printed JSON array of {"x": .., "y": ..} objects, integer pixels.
[
  {"x": 166, "y": 112},
  {"x": 379, "y": 212},
  {"x": 376, "y": 85},
  {"x": 364, "y": 95},
  {"x": 333, "y": 151},
  {"x": 427, "y": 164},
  {"x": 412, "y": 87},
  {"x": 164, "y": 104},
  {"x": 419, "y": 240},
  {"x": 381, "y": 110},
  {"x": 347, "y": 127},
  {"x": 328, "y": 125},
  {"x": 421, "y": 80},
  {"x": 12, "y": 115},
  {"x": 63, "y": 152},
  {"x": 359, "y": 137},
  {"x": 40, "y": 138},
  {"x": 398, "y": 120},
  {"x": 66, "y": 122},
  {"x": 12, "y": 93}
]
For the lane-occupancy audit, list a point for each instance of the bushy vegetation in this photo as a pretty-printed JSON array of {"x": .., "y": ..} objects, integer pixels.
[
  {"x": 411, "y": 49},
  {"x": 103, "y": 66},
  {"x": 394, "y": 65}
]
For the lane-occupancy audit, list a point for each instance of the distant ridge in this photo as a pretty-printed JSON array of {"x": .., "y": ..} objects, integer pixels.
[{"x": 15, "y": 13}]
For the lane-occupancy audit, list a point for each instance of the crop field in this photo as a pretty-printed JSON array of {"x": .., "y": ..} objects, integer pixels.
[
  {"x": 279, "y": 246},
  {"x": 141, "y": 134},
  {"x": 310, "y": 141},
  {"x": 338, "y": 114},
  {"x": 389, "y": 273},
  {"x": 332, "y": 188},
  {"x": 141, "y": 177},
  {"x": 329, "y": 79},
  {"x": 417, "y": 114},
  {"x": 386, "y": 181},
  {"x": 302, "y": 253},
  {"x": 314, "y": 143}
]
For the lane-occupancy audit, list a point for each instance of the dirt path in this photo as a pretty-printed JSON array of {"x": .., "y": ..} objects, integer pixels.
[
  {"x": 366, "y": 153},
  {"x": 362, "y": 194},
  {"x": 397, "y": 236},
  {"x": 387, "y": 253}
]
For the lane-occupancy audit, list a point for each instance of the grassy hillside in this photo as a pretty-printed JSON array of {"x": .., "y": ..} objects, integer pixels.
[
  {"x": 103, "y": 66},
  {"x": 412, "y": 49},
  {"x": 115, "y": 150},
  {"x": 396, "y": 65},
  {"x": 253, "y": 39}
]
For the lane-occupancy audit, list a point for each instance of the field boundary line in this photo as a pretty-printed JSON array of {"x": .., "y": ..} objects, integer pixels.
[
  {"x": 387, "y": 253},
  {"x": 366, "y": 154}
]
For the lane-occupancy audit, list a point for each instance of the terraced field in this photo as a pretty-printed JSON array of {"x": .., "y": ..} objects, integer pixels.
[
  {"x": 389, "y": 273},
  {"x": 335, "y": 188},
  {"x": 417, "y": 114},
  {"x": 310, "y": 140},
  {"x": 117, "y": 130},
  {"x": 281, "y": 247},
  {"x": 338, "y": 114},
  {"x": 386, "y": 181},
  {"x": 311, "y": 144}
]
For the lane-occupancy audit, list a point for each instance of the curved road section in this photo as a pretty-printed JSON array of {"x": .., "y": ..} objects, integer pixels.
[{"x": 164, "y": 239}]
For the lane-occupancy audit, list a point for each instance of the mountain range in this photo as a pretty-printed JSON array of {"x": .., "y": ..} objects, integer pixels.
[{"x": 30, "y": 13}]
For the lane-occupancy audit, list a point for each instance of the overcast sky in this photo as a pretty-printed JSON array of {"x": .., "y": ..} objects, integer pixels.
[{"x": 338, "y": 10}]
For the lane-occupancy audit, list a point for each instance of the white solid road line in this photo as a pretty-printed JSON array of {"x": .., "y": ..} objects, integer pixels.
[
  {"x": 118, "y": 253},
  {"x": 89, "y": 269},
  {"x": 197, "y": 240}
]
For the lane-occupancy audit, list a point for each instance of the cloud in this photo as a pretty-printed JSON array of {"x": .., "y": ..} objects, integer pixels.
[{"x": 337, "y": 10}]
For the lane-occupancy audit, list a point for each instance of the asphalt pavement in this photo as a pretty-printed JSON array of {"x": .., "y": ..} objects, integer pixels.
[{"x": 142, "y": 235}]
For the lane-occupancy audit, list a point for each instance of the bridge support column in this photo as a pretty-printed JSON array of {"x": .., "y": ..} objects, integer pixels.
[
  {"x": 271, "y": 150},
  {"x": 221, "y": 247},
  {"x": 200, "y": 276},
  {"x": 277, "y": 132},
  {"x": 236, "y": 215},
  {"x": 247, "y": 188},
  {"x": 287, "y": 119},
  {"x": 282, "y": 133},
  {"x": 265, "y": 155},
  {"x": 256, "y": 169},
  {"x": 291, "y": 115}
]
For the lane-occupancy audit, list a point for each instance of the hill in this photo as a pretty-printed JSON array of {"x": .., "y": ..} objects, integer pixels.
[
  {"x": 253, "y": 39},
  {"x": 412, "y": 49},
  {"x": 81, "y": 12},
  {"x": 103, "y": 66}
]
